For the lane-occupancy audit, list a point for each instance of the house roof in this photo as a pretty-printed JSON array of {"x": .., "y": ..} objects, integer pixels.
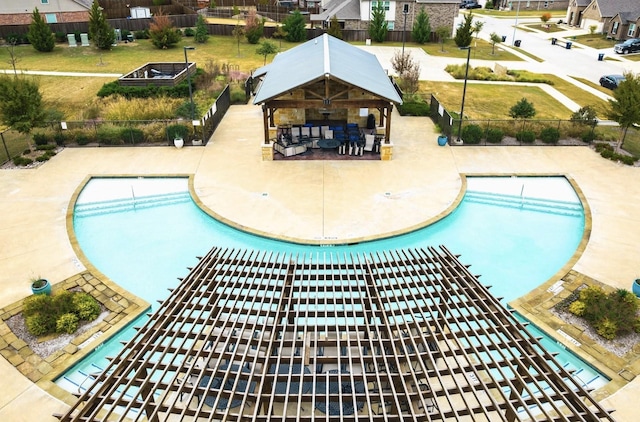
[
  {"x": 341, "y": 9},
  {"x": 324, "y": 57},
  {"x": 84, "y": 3},
  {"x": 610, "y": 8},
  {"x": 393, "y": 336}
]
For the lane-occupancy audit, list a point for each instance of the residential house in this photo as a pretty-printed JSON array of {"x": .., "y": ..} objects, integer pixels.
[
  {"x": 618, "y": 19},
  {"x": 533, "y": 4},
  {"x": 356, "y": 14},
  {"x": 54, "y": 11}
]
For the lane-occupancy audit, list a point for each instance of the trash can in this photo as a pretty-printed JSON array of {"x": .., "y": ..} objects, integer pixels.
[
  {"x": 553, "y": 41},
  {"x": 442, "y": 140},
  {"x": 130, "y": 37},
  {"x": 517, "y": 43},
  {"x": 568, "y": 46},
  {"x": 504, "y": 38},
  {"x": 600, "y": 57}
]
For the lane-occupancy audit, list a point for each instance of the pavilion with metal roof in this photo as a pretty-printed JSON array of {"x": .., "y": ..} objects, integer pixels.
[
  {"x": 403, "y": 335},
  {"x": 321, "y": 77}
]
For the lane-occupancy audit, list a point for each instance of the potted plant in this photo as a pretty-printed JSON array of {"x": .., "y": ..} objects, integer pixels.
[
  {"x": 177, "y": 132},
  {"x": 636, "y": 287},
  {"x": 40, "y": 286}
]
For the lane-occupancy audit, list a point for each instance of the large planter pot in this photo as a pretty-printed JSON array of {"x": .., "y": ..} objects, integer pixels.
[
  {"x": 636, "y": 287},
  {"x": 442, "y": 140},
  {"x": 196, "y": 142},
  {"x": 178, "y": 142},
  {"x": 41, "y": 287}
]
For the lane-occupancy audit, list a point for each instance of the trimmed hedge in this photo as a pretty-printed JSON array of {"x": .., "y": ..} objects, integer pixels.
[
  {"x": 472, "y": 134},
  {"x": 59, "y": 313},
  {"x": 414, "y": 109}
]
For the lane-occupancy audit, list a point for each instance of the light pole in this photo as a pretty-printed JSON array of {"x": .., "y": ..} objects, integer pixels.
[
  {"x": 186, "y": 63},
  {"x": 464, "y": 89},
  {"x": 405, "y": 12},
  {"x": 513, "y": 41}
]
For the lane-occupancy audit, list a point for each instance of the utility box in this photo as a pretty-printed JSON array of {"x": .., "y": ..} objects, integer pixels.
[{"x": 140, "y": 12}]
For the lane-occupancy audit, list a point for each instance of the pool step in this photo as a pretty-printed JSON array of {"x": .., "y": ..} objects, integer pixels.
[
  {"x": 88, "y": 209},
  {"x": 553, "y": 206}
]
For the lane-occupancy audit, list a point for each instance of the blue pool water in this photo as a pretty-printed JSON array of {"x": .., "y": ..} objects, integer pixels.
[{"x": 143, "y": 233}]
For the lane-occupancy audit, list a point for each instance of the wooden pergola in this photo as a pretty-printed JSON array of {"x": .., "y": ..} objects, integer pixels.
[{"x": 404, "y": 335}]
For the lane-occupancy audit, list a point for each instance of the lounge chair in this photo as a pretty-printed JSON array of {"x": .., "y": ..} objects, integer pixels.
[{"x": 369, "y": 142}]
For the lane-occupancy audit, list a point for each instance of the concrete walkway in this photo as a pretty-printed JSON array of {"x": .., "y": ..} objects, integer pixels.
[{"x": 304, "y": 200}]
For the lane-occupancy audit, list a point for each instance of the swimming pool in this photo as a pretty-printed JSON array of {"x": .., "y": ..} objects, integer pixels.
[{"x": 523, "y": 231}]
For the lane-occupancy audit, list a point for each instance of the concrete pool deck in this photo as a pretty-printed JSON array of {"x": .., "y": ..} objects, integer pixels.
[{"x": 329, "y": 201}]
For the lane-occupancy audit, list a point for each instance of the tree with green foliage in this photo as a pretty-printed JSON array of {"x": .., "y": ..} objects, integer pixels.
[
  {"x": 101, "y": 33},
  {"x": 464, "y": 31},
  {"x": 443, "y": 33},
  {"x": 523, "y": 109},
  {"x": 163, "y": 34},
  {"x": 20, "y": 103},
  {"x": 202, "y": 32},
  {"x": 266, "y": 48},
  {"x": 238, "y": 33},
  {"x": 421, "y": 31},
  {"x": 294, "y": 26},
  {"x": 585, "y": 115},
  {"x": 40, "y": 35},
  {"x": 253, "y": 27},
  {"x": 477, "y": 27},
  {"x": 624, "y": 108},
  {"x": 334, "y": 28},
  {"x": 495, "y": 39},
  {"x": 378, "y": 27}
]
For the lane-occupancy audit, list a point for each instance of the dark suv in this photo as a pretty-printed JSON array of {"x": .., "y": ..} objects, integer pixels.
[{"x": 629, "y": 46}]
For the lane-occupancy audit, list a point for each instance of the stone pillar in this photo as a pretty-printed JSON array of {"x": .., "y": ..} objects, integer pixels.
[
  {"x": 267, "y": 152},
  {"x": 386, "y": 152}
]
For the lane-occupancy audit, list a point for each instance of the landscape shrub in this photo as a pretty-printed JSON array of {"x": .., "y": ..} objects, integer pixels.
[
  {"x": 526, "y": 136},
  {"x": 610, "y": 314},
  {"x": 86, "y": 307},
  {"x": 154, "y": 132},
  {"x": 44, "y": 157},
  {"x": 472, "y": 134},
  {"x": 606, "y": 151},
  {"x": 132, "y": 135},
  {"x": 67, "y": 323},
  {"x": 494, "y": 135},
  {"x": 189, "y": 32},
  {"x": 40, "y": 138},
  {"x": 62, "y": 312},
  {"x": 22, "y": 161},
  {"x": 142, "y": 35},
  {"x": 550, "y": 135},
  {"x": 414, "y": 108},
  {"x": 60, "y": 138},
  {"x": 237, "y": 94},
  {"x": 60, "y": 36},
  {"x": 588, "y": 136},
  {"x": 109, "y": 135},
  {"x": 47, "y": 147}
]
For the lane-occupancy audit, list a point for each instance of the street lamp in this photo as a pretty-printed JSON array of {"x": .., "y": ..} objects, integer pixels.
[
  {"x": 464, "y": 90},
  {"x": 405, "y": 12},
  {"x": 186, "y": 63},
  {"x": 515, "y": 26}
]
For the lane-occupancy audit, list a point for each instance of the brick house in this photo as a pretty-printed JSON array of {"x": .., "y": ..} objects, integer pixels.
[
  {"x": 53, "y": 11},
  {"x": 356, "y": 14},
  {"x": 619, "y": 19}
]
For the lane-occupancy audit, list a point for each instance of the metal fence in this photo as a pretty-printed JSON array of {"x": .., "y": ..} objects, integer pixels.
[{"x": 571, "y": 132}]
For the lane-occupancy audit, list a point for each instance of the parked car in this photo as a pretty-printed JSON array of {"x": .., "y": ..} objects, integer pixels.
[
  {"x": 611, "y": 81},
  {"x": 629, "y": 46},
  {"x": 469, "y": 4}
]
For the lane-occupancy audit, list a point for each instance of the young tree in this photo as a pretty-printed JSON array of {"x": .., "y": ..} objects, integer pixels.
[
  {"x": 408, "y": 71},
  {"x": 421, "y": 31},
  {"x": 443, "y": 33},
  {"x": 334, "y": 28},
  {"x": 266, "y": 48},
  {"x": 294, "y": 27},
  {"x": 523, "y": 109},
  {"x": 163, "y": 34},
  {"x": 202, "y": 33},
  {"x": 378, "y": 26},
  {"x": 253, "y": 27},
  {"x": 464, "y": 31},
  {"x": 624, "y": 108},
  {"x": 99, "y": 29},
  {"x": 238, "y": 33},
  {"x": 40, "y": 35},
  {"x": 477, "y": 27},
  {"x": 20, "y": 103},
  {"x": 545, "y": 18},
  {"x": 495, "y": 39},
  {"x": 13, "y": 56}
]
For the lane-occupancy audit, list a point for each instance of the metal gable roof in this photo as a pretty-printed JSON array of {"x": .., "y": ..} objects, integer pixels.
[{"x": 320, "y": 57}]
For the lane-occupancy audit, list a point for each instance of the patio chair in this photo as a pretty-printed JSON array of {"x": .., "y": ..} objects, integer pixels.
[{"x": 369, "y": 141}]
